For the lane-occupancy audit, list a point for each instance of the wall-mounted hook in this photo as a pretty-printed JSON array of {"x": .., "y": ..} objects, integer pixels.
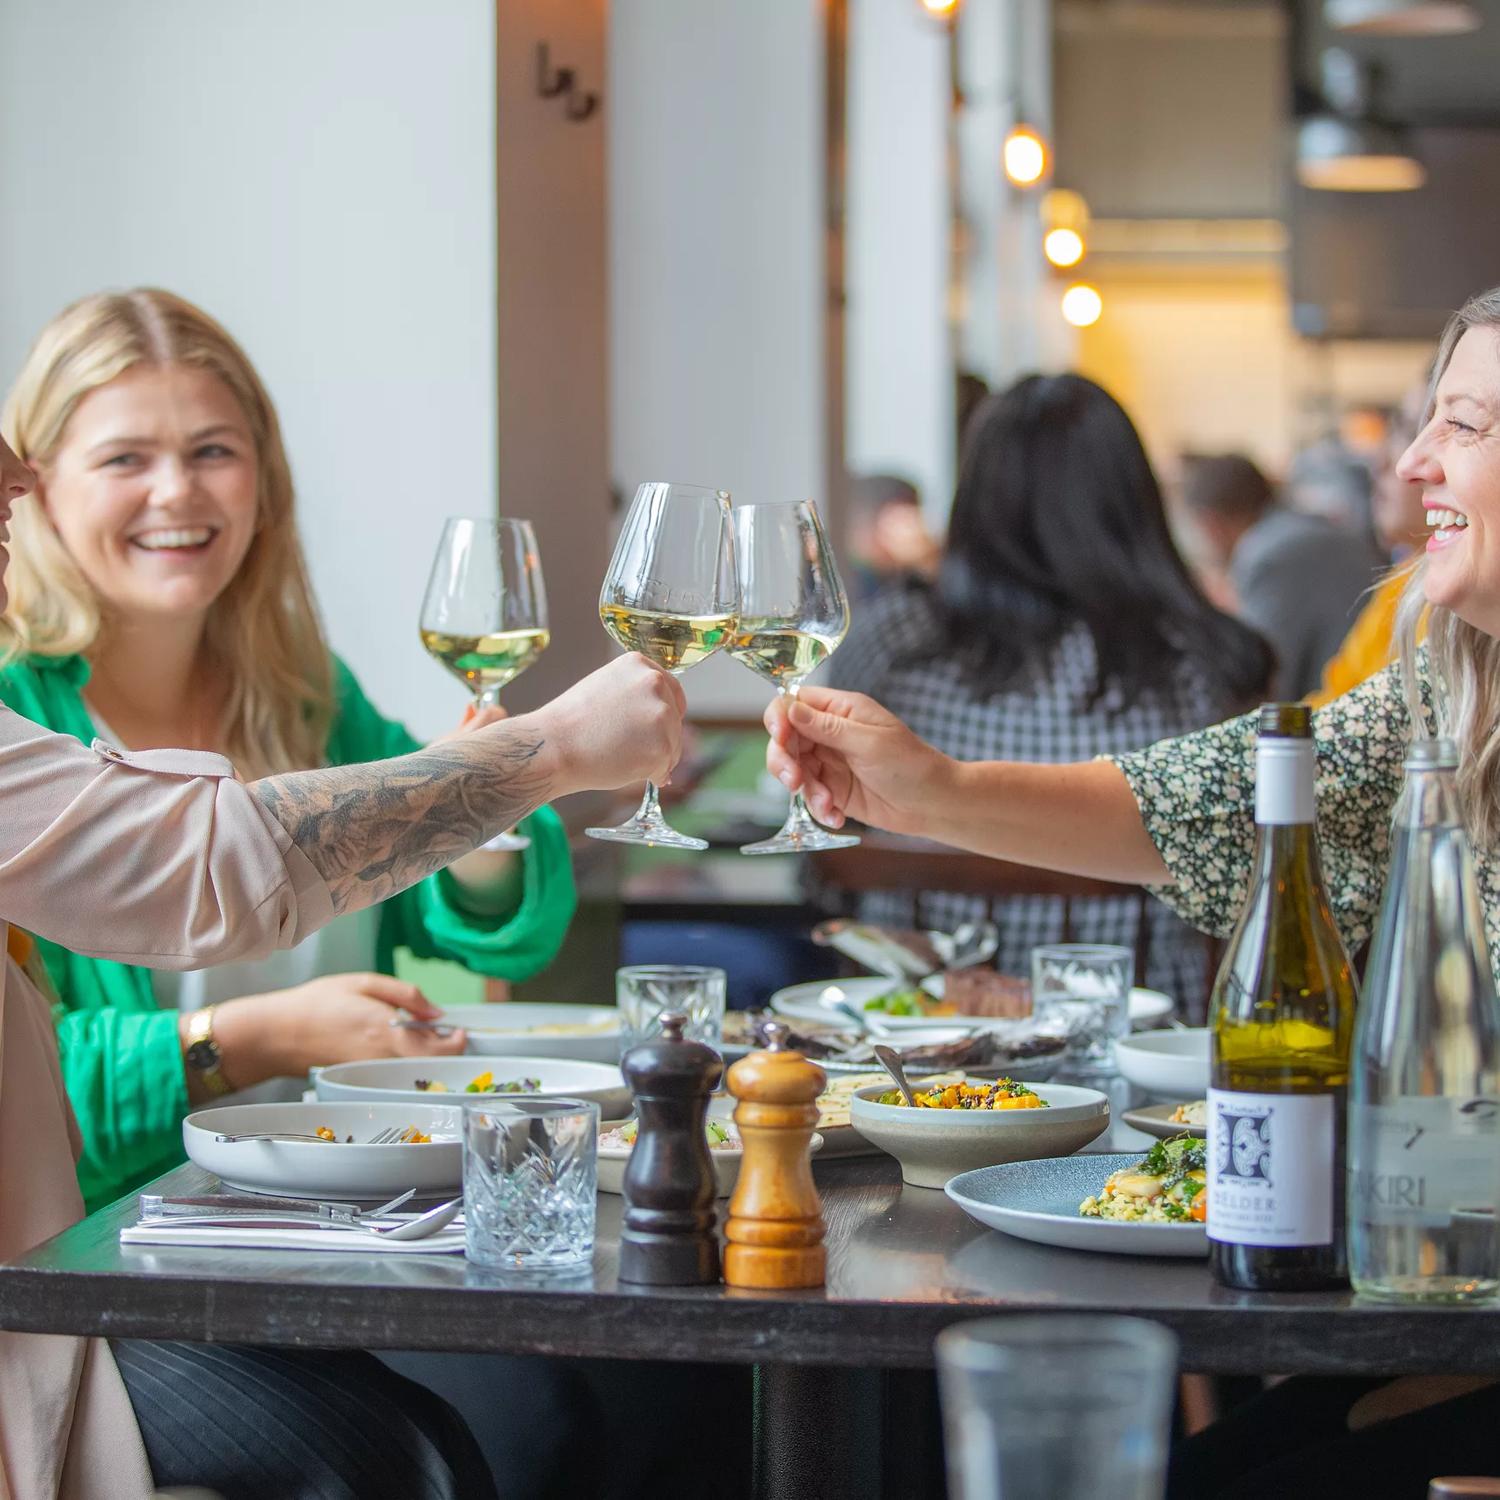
[{"x": 550, "y": 81}]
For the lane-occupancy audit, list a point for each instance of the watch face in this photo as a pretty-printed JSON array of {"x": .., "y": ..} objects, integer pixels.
[{"x": 203, "y": 1055}]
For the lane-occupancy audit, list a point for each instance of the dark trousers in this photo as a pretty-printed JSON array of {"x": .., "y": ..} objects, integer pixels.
[
  {"x": 1292, "y": 1442},
  {"x": 296, "y": 1424}
]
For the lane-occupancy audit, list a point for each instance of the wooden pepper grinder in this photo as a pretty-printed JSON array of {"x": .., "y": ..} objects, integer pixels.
[
  {"x": 775, "y": 1228},
  {"x": 668, "y": 1236}
]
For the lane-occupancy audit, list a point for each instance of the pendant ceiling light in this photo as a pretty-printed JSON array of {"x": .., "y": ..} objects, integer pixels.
[
  {"x": 1346, "y": 148},
  {"x": 1402, "y": 17}
]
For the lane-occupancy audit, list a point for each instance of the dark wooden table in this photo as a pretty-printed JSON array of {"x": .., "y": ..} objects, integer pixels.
[{"x": 904, "y": 1263}]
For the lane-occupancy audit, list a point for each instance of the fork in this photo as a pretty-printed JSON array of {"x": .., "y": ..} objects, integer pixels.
[{"x": 387, "y": 1137}]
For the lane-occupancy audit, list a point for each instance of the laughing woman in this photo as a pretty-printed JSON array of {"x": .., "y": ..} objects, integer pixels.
[{"x": 159, "y": 598}]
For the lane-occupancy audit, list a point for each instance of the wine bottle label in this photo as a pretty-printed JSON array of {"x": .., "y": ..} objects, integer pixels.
[
  {"x": 1284, "y": 774},
  {"x": 1270, "y": 1168},
  {"x": 1422, "y": 1161}
]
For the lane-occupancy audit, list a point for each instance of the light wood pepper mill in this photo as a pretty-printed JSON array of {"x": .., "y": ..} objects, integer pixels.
[{"x": 775, "y": 1227}]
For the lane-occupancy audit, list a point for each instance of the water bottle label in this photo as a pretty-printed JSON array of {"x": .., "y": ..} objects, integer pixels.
[
  {"x": 1422, "y": 1161},
  {"x": 1270, "y": 1168}
]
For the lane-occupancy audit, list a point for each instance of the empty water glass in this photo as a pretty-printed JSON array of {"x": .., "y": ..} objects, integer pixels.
[
  {"x": 1084, "y": 988},
  {"x": 1056, "y": 1408},
  {"x": 646, "y": 992},
  {"x": 530, "y": 1179}
]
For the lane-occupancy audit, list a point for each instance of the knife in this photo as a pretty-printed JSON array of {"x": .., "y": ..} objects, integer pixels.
[{"x": 155, "y": 1207}]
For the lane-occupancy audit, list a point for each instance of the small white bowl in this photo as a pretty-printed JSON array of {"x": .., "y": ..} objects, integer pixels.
[
  {"x": 934, "y": 1145},
  {"x": 1170, "y": 1064},
  {"x": 328, "y": 1169},
  {"x": 388, "y": 1079},
  {"x": 614, "y": 1159},
  {"x": 585, "y": 1033}
]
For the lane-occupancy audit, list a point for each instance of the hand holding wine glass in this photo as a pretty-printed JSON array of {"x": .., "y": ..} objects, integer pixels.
[
  {"x": 670, "y": 594},
  {"x": 484, "y": 615},
  {"x": 793, "y": 616}
]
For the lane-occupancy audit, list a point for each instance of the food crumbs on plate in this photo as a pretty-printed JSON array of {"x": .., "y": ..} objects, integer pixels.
[
  {"x": 411, "y": 1136},
  {"x": 1165, "y": 1187},
  {"x": 1004, "y": 1093},
  {"x": 323, "y": 1133}
]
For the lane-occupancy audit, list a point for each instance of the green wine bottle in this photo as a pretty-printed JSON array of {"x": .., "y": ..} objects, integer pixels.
[{"x": 1282, "y": 1017}]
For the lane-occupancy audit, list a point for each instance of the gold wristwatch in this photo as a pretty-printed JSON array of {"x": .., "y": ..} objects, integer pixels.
[{"x": 202, "y": 1054}]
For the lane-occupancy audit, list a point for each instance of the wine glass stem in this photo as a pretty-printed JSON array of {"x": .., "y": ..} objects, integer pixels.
[
  {"x": 488, "y": 696},
  {"x": 799, "y": 816},
  {"x": 650, "y": 809}
]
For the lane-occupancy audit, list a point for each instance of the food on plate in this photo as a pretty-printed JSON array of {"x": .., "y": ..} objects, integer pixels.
[
  {"x": 833, "y": 1102},
  {"x": 574, "y": 1028},
  {"x": 908, "y": 1001},
  {"x": 482, "y": 1083},
  {"x": 1194, "y": 1114},
  {"x": 968, "y": 1049},
  {"x": 722, "y": 1136},
  {"x": 1167, "y": 1186},
  {"x": 1004, "y": 1093},
  {"x": 410, "y": 1136},
  {"x": 983, "y": 992}
]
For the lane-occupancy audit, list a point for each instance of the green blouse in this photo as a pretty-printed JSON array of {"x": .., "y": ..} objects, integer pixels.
[
  {"x": 121, "y": 1058},
  {"x": 1197, "y": 799}
]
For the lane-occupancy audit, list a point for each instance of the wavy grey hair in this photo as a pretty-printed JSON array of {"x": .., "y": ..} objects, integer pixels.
[{"x": 1463, "y": 663}]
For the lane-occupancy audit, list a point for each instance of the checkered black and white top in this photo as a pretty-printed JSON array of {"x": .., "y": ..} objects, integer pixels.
[{"x": 893, "y": 653}]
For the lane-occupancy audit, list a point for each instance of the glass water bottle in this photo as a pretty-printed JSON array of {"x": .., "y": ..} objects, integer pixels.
[{"x": 1424, "y": 1110}]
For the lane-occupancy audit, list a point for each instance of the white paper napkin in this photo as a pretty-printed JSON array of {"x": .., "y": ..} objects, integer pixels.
[{"x": 449, "y": 1241}]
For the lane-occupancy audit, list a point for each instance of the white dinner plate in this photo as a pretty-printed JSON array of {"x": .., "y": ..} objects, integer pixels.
[
  {"x": 587, "y": 1033},
  {"x": 801, "y": 1002},
  {"x": 1038, "y": 1201},
  {"x": 388, "y": 1080},
  {"x": 321, "y": 1169}
]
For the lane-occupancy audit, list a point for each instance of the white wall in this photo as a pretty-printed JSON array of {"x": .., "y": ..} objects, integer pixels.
[
  {"x": 716, "y": 259},
  {"x": 321, "y": 178},
  {"x": 899, "y": 376}
]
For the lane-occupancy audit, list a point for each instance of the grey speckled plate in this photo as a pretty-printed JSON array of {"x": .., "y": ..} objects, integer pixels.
[{"x": 1038, "y": 1201}]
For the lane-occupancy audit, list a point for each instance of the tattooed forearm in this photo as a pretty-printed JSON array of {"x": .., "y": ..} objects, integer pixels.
[{"x": 372, "y": 830}]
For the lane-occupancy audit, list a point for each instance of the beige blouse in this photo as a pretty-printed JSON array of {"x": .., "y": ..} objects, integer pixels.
[{"x": 159, "y": 858}]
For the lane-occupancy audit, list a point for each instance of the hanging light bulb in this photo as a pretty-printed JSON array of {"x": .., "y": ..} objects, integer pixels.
[
  {"x": 1082, "y": 305},
  {"x": 1402, "y": 17},
  {"x": 1063, "y": 247},
  {"x": 1025, "y": 156},
  {"x": 939, "y": 10},
  {"x": 1347, "y": 147}
]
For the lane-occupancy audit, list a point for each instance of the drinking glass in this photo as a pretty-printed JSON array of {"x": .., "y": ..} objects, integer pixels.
[
  {"x": 530, "y": 1177},
  {"x": 1085, "y": 987},
  {"x": 670, "y": 593},
  {"x": 484, "y": 615},
  {"x": 1056, "y": 1407},
  {"x": 646, "y": 992},
  {"x": 793, "y": 615}
]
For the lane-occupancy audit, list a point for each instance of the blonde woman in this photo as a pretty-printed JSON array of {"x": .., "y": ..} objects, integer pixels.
[
  {"x": 159, "y": 598},
  {"x": 1178, "y": 817},
  {"x": 167, "y": 858}
]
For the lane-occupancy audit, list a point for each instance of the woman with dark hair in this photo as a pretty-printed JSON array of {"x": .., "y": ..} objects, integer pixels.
[{"x": 1063, "y": 624}]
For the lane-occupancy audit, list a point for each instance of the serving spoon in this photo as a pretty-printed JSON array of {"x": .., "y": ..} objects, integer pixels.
[{"x": 890, "y": 1060}]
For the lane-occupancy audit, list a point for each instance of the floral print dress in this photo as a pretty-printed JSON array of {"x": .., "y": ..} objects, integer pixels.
[{"x": 1197, "y": 800}]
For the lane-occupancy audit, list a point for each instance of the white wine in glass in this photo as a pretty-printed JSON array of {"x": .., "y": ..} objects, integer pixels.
[
  {"x": 670, "y": 593},
  {"x": 793, "y": 616},
  {"x": 484, "y": 615}
]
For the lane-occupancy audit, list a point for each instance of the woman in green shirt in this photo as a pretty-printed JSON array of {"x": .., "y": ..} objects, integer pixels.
[{"x": 159, "y": 599}]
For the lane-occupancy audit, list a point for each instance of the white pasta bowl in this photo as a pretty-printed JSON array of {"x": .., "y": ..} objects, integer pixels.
[
  {"x": 934, "y": 1145},
  {"x": 1169, "y": 1064},
  {"x": 586, "y": 1033},
  {"x": 324, "y": 1169},
  {"x": 613, "y": 1160},
  {"x": 386, "y": 1080}
]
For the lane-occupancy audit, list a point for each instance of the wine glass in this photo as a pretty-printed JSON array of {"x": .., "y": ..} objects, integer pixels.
[
  {"x": 793, "y": 615},
  {"x": 484, "y": 615},
  {"x": 670, "y": 594}
]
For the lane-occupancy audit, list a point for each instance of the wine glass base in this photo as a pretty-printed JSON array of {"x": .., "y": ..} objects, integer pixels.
[
  {"x": 647, "y": 838},
  {"x": 505, "y": 843},
  {"x": 809, "y": 842}
]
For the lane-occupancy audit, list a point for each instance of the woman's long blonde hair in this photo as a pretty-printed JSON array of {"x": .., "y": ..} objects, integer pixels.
[
  {"x": 262, "y": 636},
  {"x": 1463, "y": 661}
]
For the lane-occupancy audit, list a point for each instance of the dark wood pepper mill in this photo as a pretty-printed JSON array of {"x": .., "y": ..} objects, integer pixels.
[{"x": 668, "y": 1236}]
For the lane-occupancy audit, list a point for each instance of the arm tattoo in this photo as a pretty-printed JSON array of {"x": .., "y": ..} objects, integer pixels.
[{"x": 372, "y": 830}]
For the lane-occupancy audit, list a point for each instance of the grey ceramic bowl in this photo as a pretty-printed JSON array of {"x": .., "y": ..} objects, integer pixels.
[{"x": 934, "y": 1145}]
